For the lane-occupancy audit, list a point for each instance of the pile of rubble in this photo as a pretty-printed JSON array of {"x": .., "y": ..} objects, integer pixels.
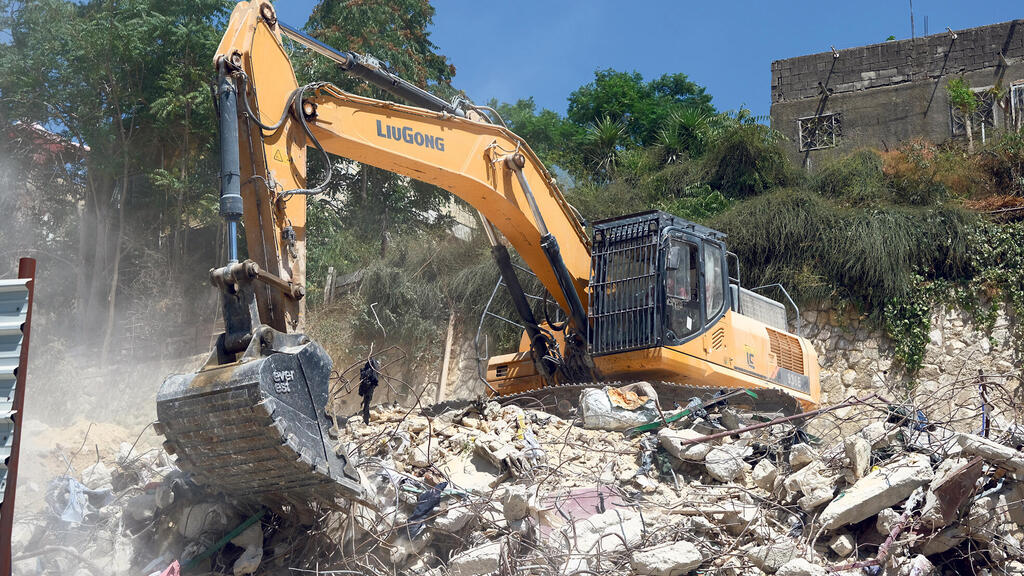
[
  {"x": 623, "y": 486},
  {"x": 503, "y": 489},
  {"x": 133, "y": 512}
]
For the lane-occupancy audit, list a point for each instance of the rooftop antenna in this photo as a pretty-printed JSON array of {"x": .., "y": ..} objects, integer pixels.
[{"x": 912, "y": 19}]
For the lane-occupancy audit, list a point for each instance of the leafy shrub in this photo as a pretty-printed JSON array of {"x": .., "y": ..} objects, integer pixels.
[
  {"x": 907, "y": 323},
  {"x": 913, "y": 172},
  {"x": 823, "y": 250},
  {"x": 855, "y": 179},
  {"x": 698, "y": 203},
  {"x": 748, "y": 161},
  {"x": 1004, "y": 164}
]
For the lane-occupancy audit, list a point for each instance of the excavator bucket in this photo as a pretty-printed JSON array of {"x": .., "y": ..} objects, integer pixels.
[{"x": 257, "y": 427}]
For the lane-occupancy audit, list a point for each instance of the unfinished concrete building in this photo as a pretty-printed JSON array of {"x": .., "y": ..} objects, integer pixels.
[{"x": 882, "y": 94}]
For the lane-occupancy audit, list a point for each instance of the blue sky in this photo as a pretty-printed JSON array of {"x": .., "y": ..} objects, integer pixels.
[{"x": 547, "y": 49}]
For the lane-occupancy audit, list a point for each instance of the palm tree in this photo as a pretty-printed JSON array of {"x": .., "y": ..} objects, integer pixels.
[
  {"x": 605, "y": 138},
  {"x": 688, "y": 132}
]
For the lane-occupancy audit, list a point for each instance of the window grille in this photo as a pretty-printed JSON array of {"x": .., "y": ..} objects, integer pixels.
[
  {"x": 818, "y": 132},
  {"x": 983, "y": 115},
  {"x": 1017, "y": 105}
]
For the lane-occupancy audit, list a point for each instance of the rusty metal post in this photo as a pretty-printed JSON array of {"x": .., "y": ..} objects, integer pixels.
[{"x": 26, "y": 271}]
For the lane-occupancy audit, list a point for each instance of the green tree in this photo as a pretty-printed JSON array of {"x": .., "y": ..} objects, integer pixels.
[
  {"x": 644, "y": 107},
  {"x": 963, "y": 99},
  {"x": 376, "y": 203},
  {"x": 117, "y": 76},
  {"x": 551, "y": 136}
]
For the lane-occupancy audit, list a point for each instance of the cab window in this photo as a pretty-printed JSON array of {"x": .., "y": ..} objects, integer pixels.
[
  {"x": 713, "y": 279},
  {"x": 682, "y": 301}
]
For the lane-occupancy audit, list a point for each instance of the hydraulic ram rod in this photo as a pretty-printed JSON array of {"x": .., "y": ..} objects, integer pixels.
[{"x": 369, "y": 68}]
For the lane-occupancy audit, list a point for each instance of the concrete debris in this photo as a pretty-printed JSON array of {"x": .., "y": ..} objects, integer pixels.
[
  {"x": 479, "y": 560},
  {"x": 673, "y": 442},
  {"x": 800, "y": 567},
  {"x": 771, "y": 557},
  {"x": 882, "y": 488},
  {"x": 483, "y": 488},
  {"x": 725, "y": 463},
  {"x": 669, "y": 559},
  {"x": 995, "y": 453},
  {"x": 921, "y": 566},
  {"x": 765, "y": 474},
  {"x": 251, "y": 542},
  {"x": 886, "y": 520},
  {"x": 858, "y": 452},
  {"x": 801, "y": 455},
  {"x": 515, "y": 503},
  {"x": 843, "y": 545}
]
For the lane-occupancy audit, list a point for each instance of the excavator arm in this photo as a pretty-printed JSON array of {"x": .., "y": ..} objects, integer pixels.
[
  {"x": 484, "y": 164},
  {"x": 254, "y": 420}
]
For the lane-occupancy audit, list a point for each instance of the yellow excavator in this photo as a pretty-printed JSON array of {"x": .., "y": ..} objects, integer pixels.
[{"x": 645, "y": 297}]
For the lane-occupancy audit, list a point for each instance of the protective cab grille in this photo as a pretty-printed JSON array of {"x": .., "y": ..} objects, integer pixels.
[
  {"x": 787, "y": 350},
  {"x": 623, "y": 287}
]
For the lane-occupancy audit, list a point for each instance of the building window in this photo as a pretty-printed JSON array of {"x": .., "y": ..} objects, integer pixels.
[
  {"x": 1017, "y": 105},
  {"x": 818, "y": 132},
  {"x": 983, "y": 117}
]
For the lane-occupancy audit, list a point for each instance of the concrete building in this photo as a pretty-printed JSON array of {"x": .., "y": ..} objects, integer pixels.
[{"x": 883, "y": 94}]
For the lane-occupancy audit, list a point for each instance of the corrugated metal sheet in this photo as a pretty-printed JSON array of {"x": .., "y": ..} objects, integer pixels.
[{"x": 13, "y": 308}]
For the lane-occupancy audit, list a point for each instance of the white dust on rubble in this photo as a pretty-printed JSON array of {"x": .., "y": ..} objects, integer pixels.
[
  {"x": 483, "y": 488},
  {"x": 527, "y": 488}
]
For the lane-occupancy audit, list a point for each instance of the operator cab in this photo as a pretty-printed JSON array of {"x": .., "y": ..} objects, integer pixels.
[{"x": 656, "y": 280}]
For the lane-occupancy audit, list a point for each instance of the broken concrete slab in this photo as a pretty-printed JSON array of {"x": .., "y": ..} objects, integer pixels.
[
  {"x": 880, "y": 434},
  {"x": 479, "y": 560},
  {"x": 669, "y": 559},
  {"x": 816, "y": 497},
  {"x": 455, "y": 518},
  {"x": 771, "y": 557},
  {"x": 764, "y": 475},
  {"x": 725, "y": 463},
  {"x": 946, "y": 539},
  {"x": 814, "y": 482},
  {"x": 673, "y": 442},
  {"x": 843, "y": 545},
  {"x": 515, "y": 502},
  {"x": 801, "y": 567},
  {"x": 801, "y": 455},
  {"x": 251, "y": 541},
  {"x": 921, "y": 566},
  {"x": 624, "y": 522},
  {"x": 886, "y": 520},
  {"x": 882, "y": 488},
  {"x": 993, "y": 452}
]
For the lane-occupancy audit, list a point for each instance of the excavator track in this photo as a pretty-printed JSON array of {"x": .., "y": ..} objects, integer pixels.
[{"x": 562, "y": 399}]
